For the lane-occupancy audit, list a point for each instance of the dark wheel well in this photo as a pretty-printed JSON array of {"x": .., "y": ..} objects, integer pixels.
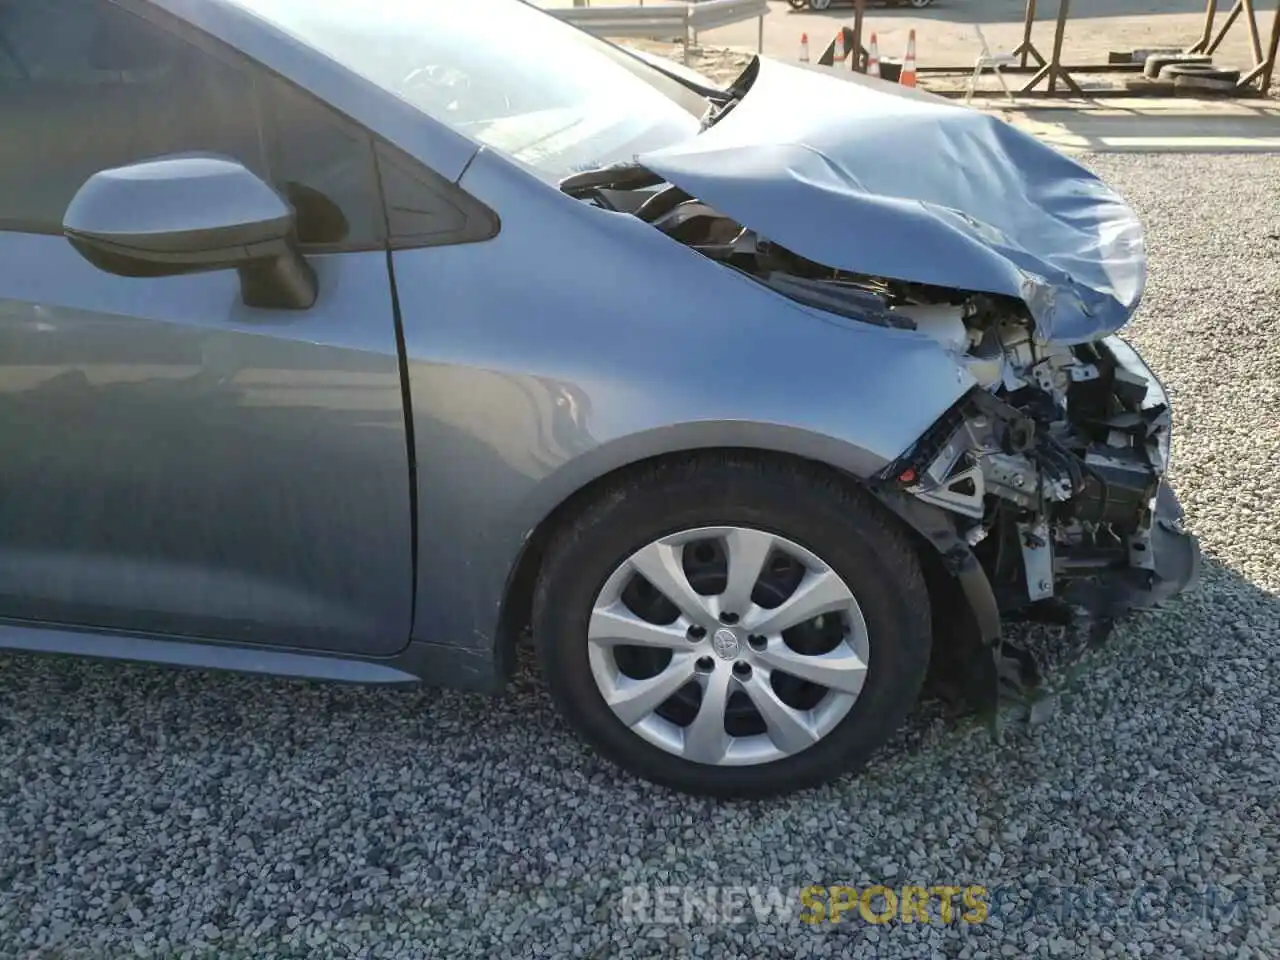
[{"x": 517, "y": 603}]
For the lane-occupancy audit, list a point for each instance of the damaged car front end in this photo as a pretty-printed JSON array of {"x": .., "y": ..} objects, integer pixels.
[
  {"x": 1055, "y": 478},
  {"x": 1041, "y": 493}
]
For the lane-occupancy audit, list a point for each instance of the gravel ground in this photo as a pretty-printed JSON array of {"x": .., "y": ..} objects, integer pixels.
[{"x": 161, "y": 814}]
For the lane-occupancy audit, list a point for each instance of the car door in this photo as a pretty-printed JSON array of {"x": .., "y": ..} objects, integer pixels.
[{"x": 173, "y": 461}]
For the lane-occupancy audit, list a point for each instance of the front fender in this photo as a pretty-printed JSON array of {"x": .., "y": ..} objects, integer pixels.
[{"x": 577, "y": 342}]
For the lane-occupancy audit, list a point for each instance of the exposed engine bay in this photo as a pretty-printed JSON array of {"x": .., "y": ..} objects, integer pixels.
[{"x": 1050, "y": 469}]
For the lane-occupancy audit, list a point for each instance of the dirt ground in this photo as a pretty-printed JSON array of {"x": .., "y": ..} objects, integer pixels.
[{"x": 947, "y": 33}]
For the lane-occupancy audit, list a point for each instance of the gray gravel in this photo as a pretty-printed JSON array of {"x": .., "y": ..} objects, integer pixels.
[{"x": 160, "y": 814}]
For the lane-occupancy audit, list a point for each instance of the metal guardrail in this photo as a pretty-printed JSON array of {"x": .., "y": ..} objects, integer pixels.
[{"x": 666, "y": 21}]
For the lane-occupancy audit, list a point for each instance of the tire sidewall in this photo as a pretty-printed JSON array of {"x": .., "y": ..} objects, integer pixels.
[{"x": 897, "y": 630}]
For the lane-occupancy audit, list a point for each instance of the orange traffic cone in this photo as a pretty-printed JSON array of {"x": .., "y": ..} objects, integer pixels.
[
  {"x": 804, "y": 48},
  {"x": 908, "y": 76},
  {"x": 873, "y": 58},
  {"x": 837, "y": 55}
]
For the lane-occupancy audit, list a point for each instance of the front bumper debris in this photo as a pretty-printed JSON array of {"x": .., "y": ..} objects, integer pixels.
[
  {"x": 1064, "y": 508},
  {"x": 1175, "y": 566}
]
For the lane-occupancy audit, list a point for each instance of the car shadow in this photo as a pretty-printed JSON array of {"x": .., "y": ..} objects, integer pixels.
[
  {"x": 1197, "y": 625},
  {"x": 168, "y": 708},
  {"x": 1248, "y": 128}
]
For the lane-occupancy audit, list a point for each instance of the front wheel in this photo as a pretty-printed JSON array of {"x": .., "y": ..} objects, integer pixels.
[
  {"x": 733, "y": 627},
  {"x": 798, "y": 4}
]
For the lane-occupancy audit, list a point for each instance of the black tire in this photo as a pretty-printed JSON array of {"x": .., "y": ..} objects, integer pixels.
[
  {"x": 797, "y": 4},
  {"x": 1198, "y": 86},
  {"x": 1152, "y": 66},
  {"x": 1199, "y": 71},
  {"x": 826, "y": 515}
]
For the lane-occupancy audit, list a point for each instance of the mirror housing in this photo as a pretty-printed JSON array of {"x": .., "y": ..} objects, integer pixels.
[{"x": 192, "y": 213}]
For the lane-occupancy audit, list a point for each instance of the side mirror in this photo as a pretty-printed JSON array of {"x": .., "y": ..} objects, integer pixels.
[{"x": 192, "y": 213}]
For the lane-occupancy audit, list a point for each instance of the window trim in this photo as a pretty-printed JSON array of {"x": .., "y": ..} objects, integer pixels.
[{"x": 480, "y": 221}]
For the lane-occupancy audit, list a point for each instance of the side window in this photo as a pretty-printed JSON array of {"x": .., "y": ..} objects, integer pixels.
[
  {"x": 325, "y": 165},
  {"x": 10, "y": 69},
  {"x": 86, "y": 85}
]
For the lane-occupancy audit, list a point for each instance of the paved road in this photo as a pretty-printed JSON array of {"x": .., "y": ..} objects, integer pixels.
[{"x": 1144, "y": 125}]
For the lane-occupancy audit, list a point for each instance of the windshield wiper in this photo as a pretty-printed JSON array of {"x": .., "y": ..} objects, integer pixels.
[
  {"x": 714, "y": 94},
  {"x": 731, "y": 97}
]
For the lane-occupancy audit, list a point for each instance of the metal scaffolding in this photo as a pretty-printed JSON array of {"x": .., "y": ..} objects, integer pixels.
[
  {"x": 1256, "y": 79},
  {"x": 1263, "y": 66}
]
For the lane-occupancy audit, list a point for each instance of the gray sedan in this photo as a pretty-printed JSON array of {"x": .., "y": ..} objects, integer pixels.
[{"x": 351, "y": 340}]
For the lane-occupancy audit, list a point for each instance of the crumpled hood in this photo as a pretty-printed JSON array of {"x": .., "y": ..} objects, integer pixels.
[{"x": 873, "y": 178}]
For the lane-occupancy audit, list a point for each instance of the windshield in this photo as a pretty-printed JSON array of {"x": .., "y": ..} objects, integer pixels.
[{"x": 501, "y": 72}]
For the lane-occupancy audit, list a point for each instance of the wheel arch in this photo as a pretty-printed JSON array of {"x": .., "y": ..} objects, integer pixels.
[
  {"x": 517, "y": 597},
  {"x": 948, "y": 577}
]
